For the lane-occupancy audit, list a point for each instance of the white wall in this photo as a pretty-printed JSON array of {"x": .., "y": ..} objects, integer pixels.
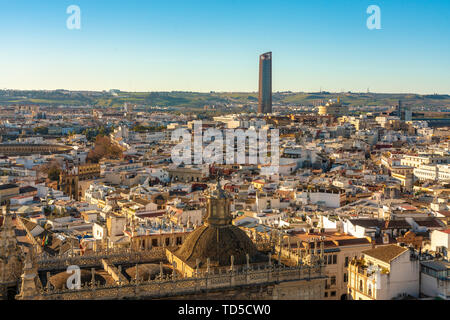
[
  {"x": 403, "y": 278},
  {"x": 439, "y": 239},
  {"x": 432, "y": 287}
]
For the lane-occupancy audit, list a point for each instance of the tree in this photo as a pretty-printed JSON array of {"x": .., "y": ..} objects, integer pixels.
[
  {"x": 47, "y": 210},
  {"x": 52, "y": 169},
  {"x": 104, "y": 148},
  {"x": 53, "y": 173},
  {"x": 40, "y": 130}
]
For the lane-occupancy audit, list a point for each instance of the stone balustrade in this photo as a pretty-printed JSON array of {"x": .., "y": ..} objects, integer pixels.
[
  {"x": 115, "y": 256},
  {"x": 167, "y": 286}
]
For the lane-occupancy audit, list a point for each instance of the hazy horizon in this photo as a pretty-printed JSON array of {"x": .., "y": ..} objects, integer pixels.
[
  {"x": 217, "y": 91},
  {"x": 204, "y": 46}
]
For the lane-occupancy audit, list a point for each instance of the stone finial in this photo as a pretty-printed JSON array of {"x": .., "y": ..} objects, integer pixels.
[
  {"x": 232, "y": 263},
  {"x": 93, "y": 277},
  {"x": 279, "y": 256},
  {"x": 207, "y": 265},
  {"x": 48, "y": 285},
  {"x": 174, "y": 268},
  {"x": 321, "y": 249},
  {"x": 247, "y": 257},
  {"x": 30, "y": 282},
  {"x": 137, "y": 273}
]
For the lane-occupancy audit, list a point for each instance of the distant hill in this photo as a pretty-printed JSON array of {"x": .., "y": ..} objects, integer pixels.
[{"x": 199, "y": 100}]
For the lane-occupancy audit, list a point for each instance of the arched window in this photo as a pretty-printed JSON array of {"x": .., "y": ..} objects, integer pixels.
[{"x": 360, "y": 285}]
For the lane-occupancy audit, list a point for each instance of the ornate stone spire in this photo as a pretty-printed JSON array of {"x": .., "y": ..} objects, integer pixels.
[
  {"x": 10, "y": 254},
  {"x": 31, "y": 284},
  {"x": 8, "y": 242}
]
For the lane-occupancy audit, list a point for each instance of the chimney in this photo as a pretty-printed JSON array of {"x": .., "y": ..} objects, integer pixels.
[{"x": 385, "y": 238}]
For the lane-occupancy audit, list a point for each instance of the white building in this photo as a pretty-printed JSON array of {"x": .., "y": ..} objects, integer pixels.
[
  {"x": 330, "y": 199},
  {"x": 440, "y": 238},
  {"x": 439, "y": 172},
  {"x": 384, "y": 273},
  {"x": 435, "y": 279},
  {"x": 423, "y": 159}
]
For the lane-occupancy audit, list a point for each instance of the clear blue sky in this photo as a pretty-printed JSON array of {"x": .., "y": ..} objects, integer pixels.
[{"x": 214, "y": 45}]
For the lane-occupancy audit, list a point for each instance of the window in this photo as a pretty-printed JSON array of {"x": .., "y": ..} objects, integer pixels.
[
  {"x": 360, "y": 285},
  {"x": 154, "y": 242},
  {"x": 167, "y": 241},
  {"x": 326, "y": 294},
  {"x": 333, "y": 293},
  {"x": 346, "y": 261},
  {"x": 333, "y": 280},
  {"x": 179, "y": 240},
  {"x": 334, "y": 258},
  {"x": 345, "y": 277},
  {"x": 330, "y": 259}
]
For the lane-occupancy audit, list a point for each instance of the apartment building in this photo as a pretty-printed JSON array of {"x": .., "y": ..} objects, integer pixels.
[
  {"x": 439, "y": 172},
  {"x": 417, "y": 160},
  {"x": 339, "y": 250},
  {"x": 384, "y": 273}
]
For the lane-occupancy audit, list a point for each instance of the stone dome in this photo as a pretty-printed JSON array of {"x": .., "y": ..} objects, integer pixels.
[
  {"x": 147, "y": 271},
  {"x": 218, "y": 239},
  {"x": 218, "y": 243},
  {"x": 59, "y": 280}
]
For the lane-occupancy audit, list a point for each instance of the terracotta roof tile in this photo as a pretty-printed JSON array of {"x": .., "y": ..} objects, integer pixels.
[{"x": 386, "y": 253}]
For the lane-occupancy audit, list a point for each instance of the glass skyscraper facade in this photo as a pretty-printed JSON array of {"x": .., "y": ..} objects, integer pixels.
[{"x": 265, "y": 83}]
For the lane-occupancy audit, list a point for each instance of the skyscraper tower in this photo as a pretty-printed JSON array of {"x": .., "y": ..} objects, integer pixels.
[{"x": 265, "y": 83}]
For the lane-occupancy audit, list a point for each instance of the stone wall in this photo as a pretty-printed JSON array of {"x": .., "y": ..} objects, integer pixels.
[{"x": 271, "y": 282}]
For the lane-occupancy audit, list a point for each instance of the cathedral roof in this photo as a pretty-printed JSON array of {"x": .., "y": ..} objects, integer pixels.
[
  {"x": 218, "y": 244},
  {"x": 218, "y": 239},
  {"x": 147, "y": 271},
  {"x": 59, "y": 280}
]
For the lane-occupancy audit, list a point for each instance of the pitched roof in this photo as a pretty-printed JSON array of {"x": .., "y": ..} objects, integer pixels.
[
  {"x": 386, "y": 253},
  {"x": 428, "y": 222},
  {"x": 367, "y": 223},
  {"x": 445, "y": 213},
  {"x": 27, "y": 189},
  {"x": 8, "y": 186},
  {"x": 397, "y": 224},
  {"x": 437, "y": 265},
  {"x": 354, "y": 241}
]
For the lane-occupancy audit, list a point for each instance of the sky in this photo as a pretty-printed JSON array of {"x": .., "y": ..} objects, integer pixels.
[{"x": 214, "y": 45}]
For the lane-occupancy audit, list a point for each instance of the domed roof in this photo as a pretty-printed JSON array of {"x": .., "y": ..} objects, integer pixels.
[
  {"x": 59, "y": 280},
  {"x": 147, "y": 271},
  {"x": 218, "y": 239},
  {"x": 218, "y": 244}
]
